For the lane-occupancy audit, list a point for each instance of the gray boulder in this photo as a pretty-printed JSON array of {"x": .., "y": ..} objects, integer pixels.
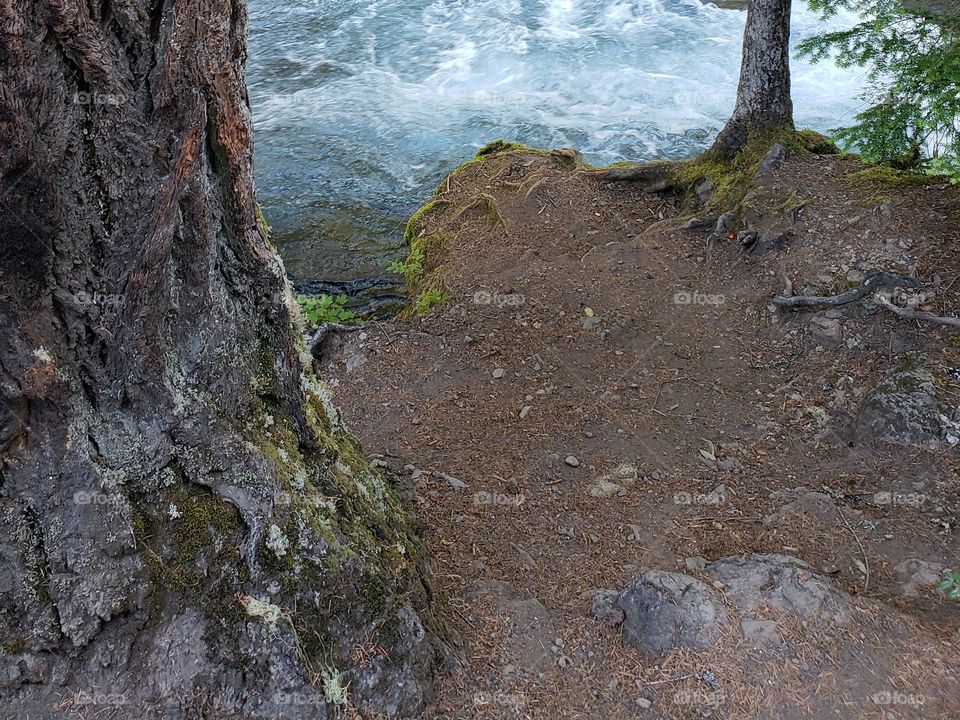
[
  {"x": 660, "y": 611},
  {"x": 780, "y": 582},
  {"x": 663, "y": 610},
  {"x": 902, "y": 409}
]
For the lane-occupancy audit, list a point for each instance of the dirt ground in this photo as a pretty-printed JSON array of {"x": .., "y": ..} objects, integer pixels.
[{"x": 588, "y": 340}]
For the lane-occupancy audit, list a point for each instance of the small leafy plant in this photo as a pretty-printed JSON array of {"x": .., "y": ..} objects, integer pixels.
[
  {"x": 410, "y": 269},
  {"x": 326, "y": 309},
  {"x": 951, "y": 585},
  {"x": 431, "y": 299}
]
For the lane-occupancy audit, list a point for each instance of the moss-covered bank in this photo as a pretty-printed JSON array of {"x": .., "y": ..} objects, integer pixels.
[{"x": 428, "y": 242}]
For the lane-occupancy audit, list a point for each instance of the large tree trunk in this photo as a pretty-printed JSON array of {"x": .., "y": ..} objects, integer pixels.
[
  {"x": 184, "y": 522},
  {"x": 763, "y": 94}
]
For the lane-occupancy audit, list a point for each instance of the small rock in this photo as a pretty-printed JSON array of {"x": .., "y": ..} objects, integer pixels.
[
  {"x": 696, "y": 563},
  {"x": 572, "y": 461},
  {"x": 643, "y": 703},
  {"x": 665, "y": 610},
  {"x": 856, "y": 277},
  {"x": 826, "y": 329},
  {"x": 704, "y": 189},
  {"x": 355, "y": 361},
  {"x": 525, "y": 412},
  {"x": 813, "y": 509},
  {"x": 717, "y": 496},
  {"x": 917, "y": 575},
  {"x": 604, "y": 608},
  {"x": 499, "y": 373},
  {"x": 603, "y": 487},
  {"x": 781, "y": 583}
]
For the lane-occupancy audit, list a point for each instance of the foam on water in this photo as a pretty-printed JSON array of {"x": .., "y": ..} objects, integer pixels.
[{"x": 361, "y": 106}]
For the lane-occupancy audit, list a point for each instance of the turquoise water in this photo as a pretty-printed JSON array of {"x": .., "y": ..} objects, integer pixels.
[{"x": 361, "y": 107}]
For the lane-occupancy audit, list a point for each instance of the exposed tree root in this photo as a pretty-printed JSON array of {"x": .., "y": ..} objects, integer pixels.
[
  {"x": 870, "y": 285},
  {"x": 908, "y": 314},
  {"x": 489, "y": 203},
  {"x": 724, "y": 225},
  {"x": 879, "y": 281},
  {"x": 533, "y": 188},
  {"x": 653, "y": 177}
]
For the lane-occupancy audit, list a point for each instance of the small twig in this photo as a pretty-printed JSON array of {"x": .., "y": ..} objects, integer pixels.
[
  {"x": 676, "y": 377},
  {"x": 746, "y": 518},
  {"x": 670, "y": 680},
  {"x": 866, "y": 560},
  {"x": 787, "y": 385},
  {"x": 950, "y": 284}
]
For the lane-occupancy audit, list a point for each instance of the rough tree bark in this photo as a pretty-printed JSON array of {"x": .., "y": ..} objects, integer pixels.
[
  {"x": 763, "y": 95},
  {"x": 186, "y": 527}
]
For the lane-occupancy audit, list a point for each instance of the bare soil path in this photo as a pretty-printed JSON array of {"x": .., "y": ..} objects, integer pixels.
[{"x": 598, "y": 396}]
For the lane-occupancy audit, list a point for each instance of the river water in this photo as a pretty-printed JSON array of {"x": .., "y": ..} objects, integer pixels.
[{"x": 361, "y": 106}]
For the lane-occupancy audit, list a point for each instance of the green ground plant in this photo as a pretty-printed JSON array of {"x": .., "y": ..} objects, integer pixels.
[
  {"x": 951, "y": 585},
  {"x": 326, "y": 309}
]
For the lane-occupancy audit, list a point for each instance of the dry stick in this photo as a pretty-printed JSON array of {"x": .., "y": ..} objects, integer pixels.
[
  {"x": 732, "y": 518},
  {"x": 533, "y": 188},
  {"x": 675, "y": 378},
  {"x": 917, "y": 314},
  {"x": 670, "y": 680},
  {"x": 950, "y": 285},
  {"x": 866, "y": 560}
]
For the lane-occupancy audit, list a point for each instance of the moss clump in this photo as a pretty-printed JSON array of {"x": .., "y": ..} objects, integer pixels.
[
  {"x": 199, "y": 530},
  {"x": 204, "y": 517},
  {"x": 888, "y": 177},
  {"x": 502, "y": 148},
  {"x": 498, "y": 147},
  {"x": 15, "y": 647},
  {"x": 813, "y": 142},
  {"x": 262, "y": 223},
  {"x": 374, "y": 590}
]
